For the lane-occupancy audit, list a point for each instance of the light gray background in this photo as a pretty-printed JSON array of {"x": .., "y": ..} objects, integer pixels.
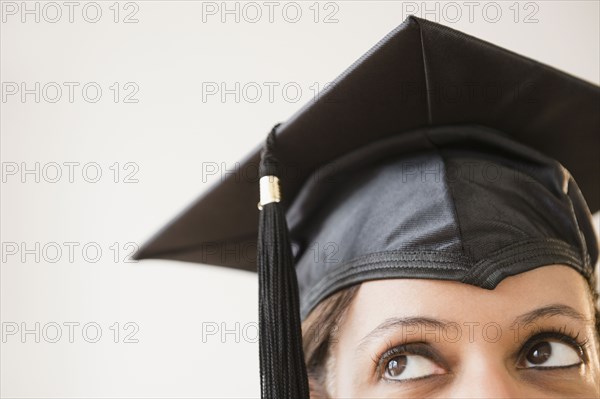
[{"x": 166, "y": 138}]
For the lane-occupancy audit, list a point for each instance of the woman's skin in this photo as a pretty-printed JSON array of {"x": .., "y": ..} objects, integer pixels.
[{"x": 482, "y": 355}]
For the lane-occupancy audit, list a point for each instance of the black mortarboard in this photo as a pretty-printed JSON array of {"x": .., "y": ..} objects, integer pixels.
[{"x": 435, "y": 155}]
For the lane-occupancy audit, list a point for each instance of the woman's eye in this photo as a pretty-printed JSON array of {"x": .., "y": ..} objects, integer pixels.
[
  {"x": 406, "y": 367},
  {"x": 551, "y": 354}
]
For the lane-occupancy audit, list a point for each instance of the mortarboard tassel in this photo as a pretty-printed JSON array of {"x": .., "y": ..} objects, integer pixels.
[{"x": 282, "y": 367}]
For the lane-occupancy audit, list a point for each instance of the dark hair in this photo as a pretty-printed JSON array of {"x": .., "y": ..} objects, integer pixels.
[
  {"x": 595, "y": 296},
  {"x": 318, "y": 337},
  {"x": 321, "y": 326}
]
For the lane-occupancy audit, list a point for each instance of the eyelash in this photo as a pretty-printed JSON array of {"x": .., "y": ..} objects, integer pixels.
[
  {"x": 411, "y": 348},
  {"x": 562, "y": 334}
]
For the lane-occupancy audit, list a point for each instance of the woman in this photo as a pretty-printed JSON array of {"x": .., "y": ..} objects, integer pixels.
[
  {"x": 418, "y": 346},
  {"x": 428, "y": 232}
]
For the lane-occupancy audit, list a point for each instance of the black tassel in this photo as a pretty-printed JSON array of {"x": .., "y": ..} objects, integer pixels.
[{"x": 282, "y": 367}]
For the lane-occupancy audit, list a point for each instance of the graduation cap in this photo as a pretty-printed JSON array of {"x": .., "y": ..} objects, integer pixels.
[{"x": 435, "y": 155}]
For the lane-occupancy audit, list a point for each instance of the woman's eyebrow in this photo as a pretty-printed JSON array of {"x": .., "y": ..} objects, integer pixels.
[
  {"x": 556, "y": 309},
  {"x": 412, "y": 324},
  {"x": 404, "y": 324}
]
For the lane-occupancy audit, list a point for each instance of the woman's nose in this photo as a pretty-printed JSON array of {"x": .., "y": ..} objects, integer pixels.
[{"x": 486, "y": 376}]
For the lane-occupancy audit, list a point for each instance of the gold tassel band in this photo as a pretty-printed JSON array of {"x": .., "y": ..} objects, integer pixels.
[{"x": 269, "y": 190}]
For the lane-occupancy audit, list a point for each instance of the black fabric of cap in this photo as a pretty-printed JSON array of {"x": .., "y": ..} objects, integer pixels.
[
  {"x": 462, "y": 203},
  {"x": 421, "y": 74}
]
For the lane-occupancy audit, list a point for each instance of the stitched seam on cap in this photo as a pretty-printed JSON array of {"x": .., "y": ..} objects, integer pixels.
[
  {"x": 386, "y": 260},
  {"x": 449, "y": 190},
  {"x": 492, "y": 278},
  {"x": 407, "y": 256},
  {"x": 326, "y": 285},
  {"x": 519, "y": 252}
]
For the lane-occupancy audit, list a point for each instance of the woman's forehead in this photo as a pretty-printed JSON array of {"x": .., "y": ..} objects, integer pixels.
[{"x": 455, "y": 301}]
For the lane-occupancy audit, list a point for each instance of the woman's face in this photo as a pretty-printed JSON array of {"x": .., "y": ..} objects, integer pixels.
[{"x": 530, "y": 337}]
